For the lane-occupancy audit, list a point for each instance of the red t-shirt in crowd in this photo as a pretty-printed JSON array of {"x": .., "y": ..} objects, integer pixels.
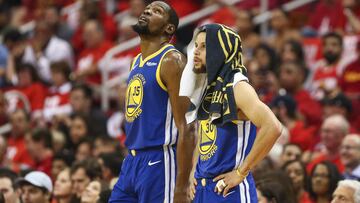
[
  {"x": 305, "y": 198},
  {"x": 185, "y": 7},
  {"x": 350, "y": 79},
  {"x": 44, "y": 165},
  {"x": 349, "y": 83},
  {"x": 110, "y": 29},
  {"x": 57, "y": 101},
  {"x": 304, "y": 136},
  {"x": 17, "y": 153},
  {"x": 34, "y": 93},
  {"x": 91, "y": 56},
  {"x": 249, "y": 4},
  {"x": 325, "y": 16},
  {"x": 343, "y": 22},
  {"x": 326, "y": 78},
  {"x": 224, "y": 16},
  {"x": 308, "y": 107},
  {"x": 266, "y": 97}
]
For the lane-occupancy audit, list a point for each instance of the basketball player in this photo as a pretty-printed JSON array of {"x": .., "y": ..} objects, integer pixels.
[
  {"x": 155, "y": 121},
  {"x": 228, "y": 116}
]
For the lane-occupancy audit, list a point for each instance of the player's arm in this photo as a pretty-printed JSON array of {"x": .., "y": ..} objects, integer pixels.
[
  {"x": 269, "y": 130},
  {"x": 171, "y": 71},
  {"x": 193, "y": 182},
  {"x": 258, "y": 113}
]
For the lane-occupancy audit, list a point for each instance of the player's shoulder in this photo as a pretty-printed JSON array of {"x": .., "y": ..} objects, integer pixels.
[
  {"x": 174, "y": 59},
  {"x": 174, "y": 55}
]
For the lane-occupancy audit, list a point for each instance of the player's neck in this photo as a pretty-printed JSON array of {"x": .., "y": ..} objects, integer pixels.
[{"x": 151, "y": 45}]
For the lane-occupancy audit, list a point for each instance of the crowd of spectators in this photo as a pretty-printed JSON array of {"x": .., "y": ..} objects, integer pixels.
[{"x": 57, "y": 145}]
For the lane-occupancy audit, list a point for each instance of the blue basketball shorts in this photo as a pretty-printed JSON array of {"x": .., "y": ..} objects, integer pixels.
[
  {"x": 244, "y": 193},
  {"x": 147, "y": 176}
]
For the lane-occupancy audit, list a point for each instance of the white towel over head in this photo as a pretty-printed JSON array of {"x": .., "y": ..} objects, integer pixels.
[{"x": 192, "y": 84}]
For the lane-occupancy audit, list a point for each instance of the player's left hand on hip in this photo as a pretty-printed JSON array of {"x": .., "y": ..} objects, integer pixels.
[{"x": 226, "y": 181}]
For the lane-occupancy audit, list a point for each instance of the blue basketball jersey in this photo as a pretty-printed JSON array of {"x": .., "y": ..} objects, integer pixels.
[
  {"x": 149, "y": 120},
  {"x": 223, "y": 148}
]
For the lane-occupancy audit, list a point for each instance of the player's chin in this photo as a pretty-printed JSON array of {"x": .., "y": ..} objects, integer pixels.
[
  {"x": 141, "y": 28},
  {"x": 198, "y": 68}
]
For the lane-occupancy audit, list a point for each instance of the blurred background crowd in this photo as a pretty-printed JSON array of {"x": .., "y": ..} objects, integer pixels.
[{"x": 60, "y": 143}]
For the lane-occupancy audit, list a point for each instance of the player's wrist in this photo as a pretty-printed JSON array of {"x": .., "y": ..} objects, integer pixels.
[
  {"x": 181, "y": 190},
  {"x": 242, "y": 173}
]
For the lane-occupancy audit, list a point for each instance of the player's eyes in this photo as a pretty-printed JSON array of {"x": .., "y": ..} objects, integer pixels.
[{"x": 157, "y": 11}]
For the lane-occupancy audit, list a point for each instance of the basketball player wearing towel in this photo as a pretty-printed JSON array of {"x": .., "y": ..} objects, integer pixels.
[
  {"x": 229, "y": 112},
  {"x": 155, "y": 116}
]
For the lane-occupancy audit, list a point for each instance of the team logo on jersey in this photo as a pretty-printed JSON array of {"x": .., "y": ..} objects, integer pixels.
[
  {"x": 206, "y": 102},
  {"x": 207, "y": 136},
  {"x": 134, "y": 97},
  {"x": 149, "y": 63},
  {"x": 215, "y": 97}
]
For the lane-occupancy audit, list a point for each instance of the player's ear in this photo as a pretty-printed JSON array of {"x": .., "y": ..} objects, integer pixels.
[{"x": 170, "y": 29}]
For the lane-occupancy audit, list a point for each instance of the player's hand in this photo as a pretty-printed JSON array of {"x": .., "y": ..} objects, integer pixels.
[
  {"x": 181, "y": 196},
  {"x": 192, "y": 188},
  {"x": 227, "y": 181}
]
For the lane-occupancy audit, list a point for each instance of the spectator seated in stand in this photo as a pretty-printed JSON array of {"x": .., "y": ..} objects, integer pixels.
[
  {"x": 82, "y": 173},
  {"x": 285, "y": 109},
  {"x": 7, "y": 185},
  {"x": 29, "y": 93},
  {"x": 87, "y": 68},
  {"x": 39, "y": 146},
  {"x": 36, "y": 187},
  {"x": 46, "y": 48},
  {"x": 323, "y": 180},
  {"x": 57, "y": 101},
  {"x": 347, "y": 191},
  {"x": 16, "y": 154},
  {"x": 292, "y": 77},
  {"x": 332, "y": 133},
  {"x": 350, "y": 156}
]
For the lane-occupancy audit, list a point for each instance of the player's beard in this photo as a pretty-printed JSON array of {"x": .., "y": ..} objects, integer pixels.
[
  {"x": 141, "y": 29},
  {"x": 199, "y": 70}
]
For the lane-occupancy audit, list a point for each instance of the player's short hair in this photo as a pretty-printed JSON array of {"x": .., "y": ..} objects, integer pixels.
[{"x": 173, "y": 17}]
